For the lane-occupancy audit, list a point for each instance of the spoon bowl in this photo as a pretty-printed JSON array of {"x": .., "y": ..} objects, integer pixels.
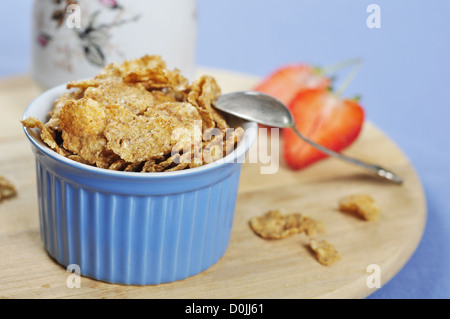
[{"x": 259, "y": 107}]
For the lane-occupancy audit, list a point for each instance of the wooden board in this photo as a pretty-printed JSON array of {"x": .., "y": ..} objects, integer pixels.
[{"x": 251, "y": 267}]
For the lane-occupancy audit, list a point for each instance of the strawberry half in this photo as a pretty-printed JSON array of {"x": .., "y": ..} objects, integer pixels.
[
  {"x": 326, "y": 119},
  {"x": 286, "y": 82}
]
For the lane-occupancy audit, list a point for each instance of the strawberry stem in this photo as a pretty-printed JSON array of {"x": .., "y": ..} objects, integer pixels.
[
  {"x": 349, "y": 79},
  {"x": 333, "y": 68}
]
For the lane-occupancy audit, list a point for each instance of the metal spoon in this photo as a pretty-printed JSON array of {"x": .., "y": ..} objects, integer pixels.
[{"x": 264, "y": 109}]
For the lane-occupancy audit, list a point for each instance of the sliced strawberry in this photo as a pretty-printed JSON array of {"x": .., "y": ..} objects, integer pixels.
[
  {"x": 326, "y": 119},
  {"x": 286, "y": 82}
]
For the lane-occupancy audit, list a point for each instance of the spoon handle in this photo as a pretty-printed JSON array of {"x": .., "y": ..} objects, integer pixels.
[{"x": 380, "y": 171}]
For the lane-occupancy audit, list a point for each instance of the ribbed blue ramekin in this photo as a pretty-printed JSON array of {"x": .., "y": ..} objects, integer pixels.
[{"x": 134, "y": 228}]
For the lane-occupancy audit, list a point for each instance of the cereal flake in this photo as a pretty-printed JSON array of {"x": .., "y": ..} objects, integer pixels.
[
  {"x": 325, "y": 252},
  {"x": 362, "y": 205},
  {"x": 276, "y": 225},
  {"x": 7, "y": 189}
]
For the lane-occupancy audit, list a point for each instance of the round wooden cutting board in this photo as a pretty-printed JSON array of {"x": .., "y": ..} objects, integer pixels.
[{"x": 251, "y": 267}]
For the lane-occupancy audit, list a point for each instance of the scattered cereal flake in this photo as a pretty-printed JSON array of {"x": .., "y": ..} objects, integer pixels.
[
  {"x": 275, "y": 225},
  {"x": 325, "y": 252},
  {"x": 7, "y": 189},
  {"x": 362, "y": 205}
]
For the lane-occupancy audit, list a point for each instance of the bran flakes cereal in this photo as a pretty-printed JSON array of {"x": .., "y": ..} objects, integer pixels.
[{"x": 136, "y": 116}]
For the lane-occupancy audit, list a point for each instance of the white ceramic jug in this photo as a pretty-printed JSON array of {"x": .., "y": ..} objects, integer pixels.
[{"x": 75, "y": 39}]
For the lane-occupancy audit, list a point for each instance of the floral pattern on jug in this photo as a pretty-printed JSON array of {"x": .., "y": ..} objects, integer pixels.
[{"x": 74, "y": 39}]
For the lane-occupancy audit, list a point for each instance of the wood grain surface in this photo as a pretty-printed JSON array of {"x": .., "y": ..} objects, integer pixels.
[{"x": 251, "y": 267}]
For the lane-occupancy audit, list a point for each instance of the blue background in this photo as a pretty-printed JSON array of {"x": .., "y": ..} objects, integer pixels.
[{"x": 404, "y": 85}]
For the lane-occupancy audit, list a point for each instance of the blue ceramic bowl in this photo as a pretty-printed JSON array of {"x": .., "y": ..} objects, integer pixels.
[{"x": 134, "y": 228}]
